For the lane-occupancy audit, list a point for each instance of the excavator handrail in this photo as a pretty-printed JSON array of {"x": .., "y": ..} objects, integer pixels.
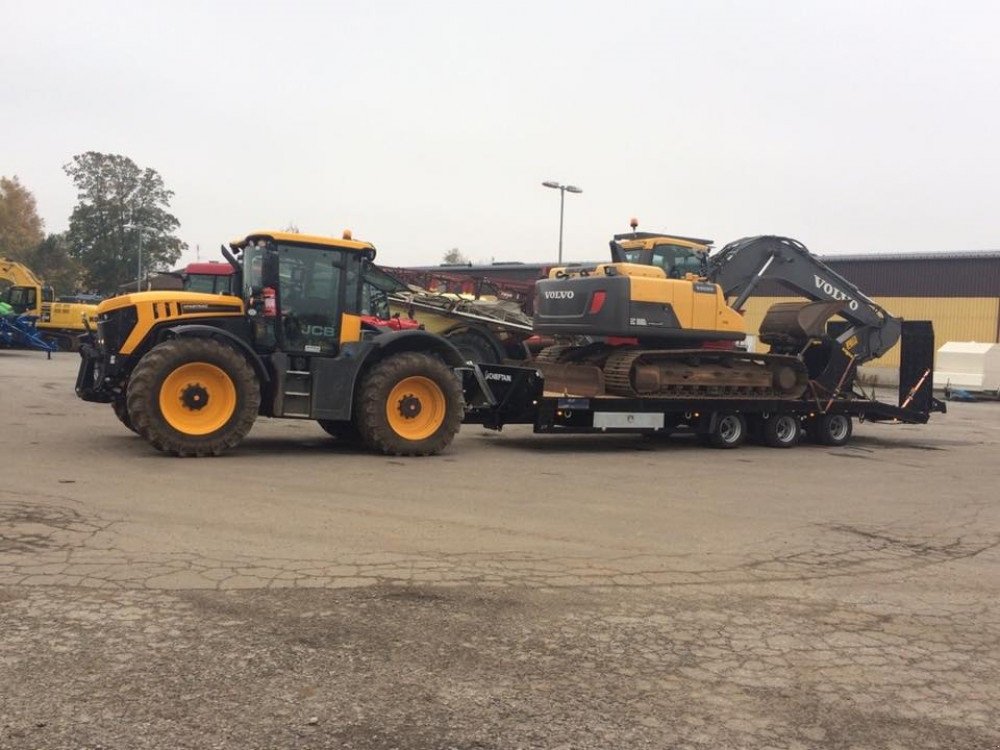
[{"x": 741, "y": 265}]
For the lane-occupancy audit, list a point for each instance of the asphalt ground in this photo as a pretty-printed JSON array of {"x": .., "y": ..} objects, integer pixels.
[{"x": 519, "y": 591}]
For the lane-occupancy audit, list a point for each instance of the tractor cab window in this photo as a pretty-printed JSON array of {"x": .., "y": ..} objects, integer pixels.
[
  {"x": 311, "y": 297},
  {"x": 375, "y": 291},
  {"x": 200, "y": 282}
]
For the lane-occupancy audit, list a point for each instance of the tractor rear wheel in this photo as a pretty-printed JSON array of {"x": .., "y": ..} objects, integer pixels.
[
  {"x": 193, "y": 397},
  {"x": 409, "y": 404}
]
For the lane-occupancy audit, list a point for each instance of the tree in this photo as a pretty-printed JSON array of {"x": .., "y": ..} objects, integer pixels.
[
  {"x": 51, "y": 261},
  {"x": 20, "y": 224},
  {"x": 120, "y": 208},
  {"x": 455, "y": 257}
]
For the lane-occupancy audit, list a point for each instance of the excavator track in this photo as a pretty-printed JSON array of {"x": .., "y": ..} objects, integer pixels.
[
  {"x": 703, "y": 373},
  {"x": 552, "y": 354}
]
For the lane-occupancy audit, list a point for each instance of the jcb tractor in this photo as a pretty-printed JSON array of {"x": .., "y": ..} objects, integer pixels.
[{"x": 190, "y": 372}]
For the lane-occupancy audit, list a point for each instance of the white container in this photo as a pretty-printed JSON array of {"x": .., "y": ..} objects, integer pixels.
[{"x": 968, "y": 364}]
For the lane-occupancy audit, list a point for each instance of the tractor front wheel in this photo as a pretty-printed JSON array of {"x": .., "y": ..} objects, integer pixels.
[
  {"x": 193, "y": 397},
  {"x": 409, "y": 404},
  {"x": 121, "y": 411}
]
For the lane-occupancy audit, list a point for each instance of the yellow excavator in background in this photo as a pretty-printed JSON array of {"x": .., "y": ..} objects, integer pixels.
[{"x": 59, "y": 322}]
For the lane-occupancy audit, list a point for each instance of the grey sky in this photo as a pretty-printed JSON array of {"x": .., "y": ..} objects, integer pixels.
[{"x": 851, "y": 126}]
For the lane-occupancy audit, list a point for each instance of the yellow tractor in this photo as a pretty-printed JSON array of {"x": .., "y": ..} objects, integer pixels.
[{"x": 190, "y": 372}]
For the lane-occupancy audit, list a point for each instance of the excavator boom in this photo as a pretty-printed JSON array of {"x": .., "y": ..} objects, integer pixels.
[{"x": 741, "y": 265}]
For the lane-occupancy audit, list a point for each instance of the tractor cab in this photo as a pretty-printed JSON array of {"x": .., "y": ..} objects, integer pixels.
[{"x": 303, "y": 294}]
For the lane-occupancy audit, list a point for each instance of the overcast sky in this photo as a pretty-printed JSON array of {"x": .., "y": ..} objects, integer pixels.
[{"x": 851, "y": 125}]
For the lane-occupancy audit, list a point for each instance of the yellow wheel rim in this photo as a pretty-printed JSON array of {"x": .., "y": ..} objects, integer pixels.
[
  {"x": 197, "y": 398},
  {"x": 415, "y": 408}
]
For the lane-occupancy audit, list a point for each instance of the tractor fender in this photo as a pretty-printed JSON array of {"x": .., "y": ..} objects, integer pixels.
[
  {"x": 212, "y": 332},
  {"x": 414, "y": 340}
]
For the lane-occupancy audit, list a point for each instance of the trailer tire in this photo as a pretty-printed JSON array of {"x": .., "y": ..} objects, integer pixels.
[
  {"x": 729, "y": 431},
  {"x": 409, "y": 404},
  {"x": 831, "y": 429},
  {"x": 193, "y": 396},
  {"x": 781, "y": 430}
]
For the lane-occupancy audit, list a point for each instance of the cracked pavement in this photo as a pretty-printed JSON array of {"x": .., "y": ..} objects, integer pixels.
[{"x": 519, "y": 591}]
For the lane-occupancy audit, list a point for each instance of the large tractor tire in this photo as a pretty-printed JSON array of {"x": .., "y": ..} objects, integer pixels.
[
  {"x": 193, "y": 397},
  {"x": 409, "y": 404},
  {"x": 475, "y": 347},
  {"x": 121, "y": 411}
]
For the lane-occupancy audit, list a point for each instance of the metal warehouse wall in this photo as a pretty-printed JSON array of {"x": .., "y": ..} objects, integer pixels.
[
  {"x": 954, "y": 318},
  {"x": 914, "y": 275}
]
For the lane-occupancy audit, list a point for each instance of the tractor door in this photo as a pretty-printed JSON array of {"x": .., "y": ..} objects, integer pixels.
[{"x": 312, "y": 295}]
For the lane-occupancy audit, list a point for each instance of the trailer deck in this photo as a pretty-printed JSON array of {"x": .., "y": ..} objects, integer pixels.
[{"x": 517, "y": 395}]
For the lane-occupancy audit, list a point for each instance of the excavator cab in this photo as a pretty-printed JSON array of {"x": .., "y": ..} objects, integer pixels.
[{"x": 677, "y": 256}]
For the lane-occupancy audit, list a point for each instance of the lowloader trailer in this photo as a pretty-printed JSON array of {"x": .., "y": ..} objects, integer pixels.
[{"x": 518, "y": 395}]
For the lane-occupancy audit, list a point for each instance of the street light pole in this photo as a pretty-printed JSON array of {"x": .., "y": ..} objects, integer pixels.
[
  {"x": 138, "y": 278},
  {"x": 138, "y": 265},
  {"x": 563, "y": 189}
]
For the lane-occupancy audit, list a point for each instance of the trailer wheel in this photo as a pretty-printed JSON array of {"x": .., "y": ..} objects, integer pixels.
[
  {"x": 409, "y": 404},
  {"x": 831, "y": 429},
  {"x": 193, "y": 397},
  {"x": 730, "y": 431},
  {"x": 344, "y": 431},
  {"x": 781, "y": 430},
  {"x": 121, "y": 411}
]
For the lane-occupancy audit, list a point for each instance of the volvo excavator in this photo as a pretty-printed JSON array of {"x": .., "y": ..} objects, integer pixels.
[
  {"x": 650, "y": 343},
  {"x": 664, "y": 318}
]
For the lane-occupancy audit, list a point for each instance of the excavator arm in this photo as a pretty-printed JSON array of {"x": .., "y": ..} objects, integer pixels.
[
  {"x": 18, "y": 274},
  {"x": 741, "y": 265}
]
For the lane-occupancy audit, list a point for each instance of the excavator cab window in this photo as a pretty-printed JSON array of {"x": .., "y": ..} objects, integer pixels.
[
  {"x": 675, "y": 260},
  {"x": 24, "y": 299}
]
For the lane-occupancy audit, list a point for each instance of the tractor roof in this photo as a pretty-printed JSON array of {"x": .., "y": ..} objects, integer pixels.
[{"x": 294, "y": 238}]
